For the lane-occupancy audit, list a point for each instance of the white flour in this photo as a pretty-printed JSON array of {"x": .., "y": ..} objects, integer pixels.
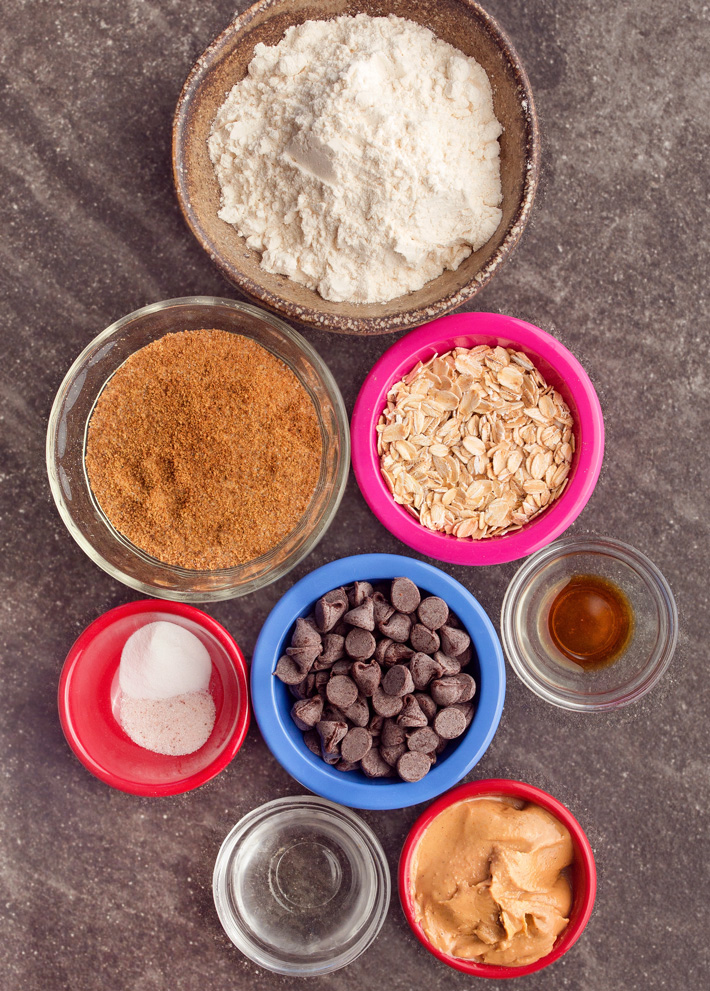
[{"x": 360, "y": 156}]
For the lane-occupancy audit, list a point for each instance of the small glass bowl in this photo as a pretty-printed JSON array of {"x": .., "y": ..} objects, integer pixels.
[
  {"x": 301, "y": 886},
  {"x": 68, "y": 427},
  {"x": 532, "y": 655}
]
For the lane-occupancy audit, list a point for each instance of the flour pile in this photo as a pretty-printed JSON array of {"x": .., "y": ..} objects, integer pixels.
[{"x": 360, "y": 156}]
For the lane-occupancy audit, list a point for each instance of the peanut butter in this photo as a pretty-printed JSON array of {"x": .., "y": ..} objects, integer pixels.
[{"x": 488, "y": 881}]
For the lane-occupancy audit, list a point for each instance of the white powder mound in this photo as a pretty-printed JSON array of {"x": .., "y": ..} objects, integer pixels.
[
  {"x": 161, "y": 660},
  {"x": 360, "y": 156},
  {"x": 172, "y": 726}
]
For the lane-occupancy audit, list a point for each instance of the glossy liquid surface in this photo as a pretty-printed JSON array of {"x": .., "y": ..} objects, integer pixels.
[{"x": 591, "y": 621}]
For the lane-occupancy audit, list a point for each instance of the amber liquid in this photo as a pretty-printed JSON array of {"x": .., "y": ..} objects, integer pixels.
[{"x": 591, "y": 621}]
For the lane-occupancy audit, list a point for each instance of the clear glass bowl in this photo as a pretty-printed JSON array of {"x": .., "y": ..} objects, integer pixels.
[
  {"x": 534, "y": 658},
  {"x": 301, "y": 886},
  {"x": 68, "y": 426}
]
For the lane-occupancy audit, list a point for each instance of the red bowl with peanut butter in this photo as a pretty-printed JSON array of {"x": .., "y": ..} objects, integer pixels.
[{"x": 497, "y": 879}]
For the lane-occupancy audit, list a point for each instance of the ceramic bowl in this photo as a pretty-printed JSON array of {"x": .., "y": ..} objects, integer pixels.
[
  {"x": 89, "y": 697},
  {"x": 66, "y": 445},
  {"x": 272, "y": 700},
  {"x": 559, "y": 367},
  {"x": 583, "y": 873},
  {"x": 462, "y": 23}
]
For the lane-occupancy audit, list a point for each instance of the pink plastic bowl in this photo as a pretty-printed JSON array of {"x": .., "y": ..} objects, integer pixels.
[
  {"x": 88, "y": 692},
  {"x": 559, "y": 367},
  {"x": 584, "y": 873}
]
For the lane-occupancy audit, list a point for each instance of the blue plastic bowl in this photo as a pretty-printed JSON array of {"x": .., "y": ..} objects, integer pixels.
[{"x": 272, "y": 701}]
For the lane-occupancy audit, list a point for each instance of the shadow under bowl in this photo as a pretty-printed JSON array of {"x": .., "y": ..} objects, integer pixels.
[{"x": 461, "y": 23}]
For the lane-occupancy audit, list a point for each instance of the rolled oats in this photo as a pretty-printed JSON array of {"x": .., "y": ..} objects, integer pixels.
[{"x": 474, "y": 442}]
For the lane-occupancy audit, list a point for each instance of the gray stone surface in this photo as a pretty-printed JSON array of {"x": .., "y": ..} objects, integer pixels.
[{"x": 102, "y": 890}]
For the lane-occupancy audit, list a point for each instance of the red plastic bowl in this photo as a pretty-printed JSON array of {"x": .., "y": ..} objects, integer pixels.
[
  {"x": 561, "y": 370},
  {"x": 584, "y": 873},
  {"x": 88, "y": 693}
]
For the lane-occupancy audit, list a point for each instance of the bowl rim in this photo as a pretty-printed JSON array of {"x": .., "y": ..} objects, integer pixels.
[
  {"x": 317, "y": 776},
  {"x": 584, "y": 857},
  {"x": 308, "y": 315},
  {"x": 230, "y": 592},
  {"x": 442, "y": 335},
  {"x": 74, "y": 659},
  {"x": 657, "y": 663}
]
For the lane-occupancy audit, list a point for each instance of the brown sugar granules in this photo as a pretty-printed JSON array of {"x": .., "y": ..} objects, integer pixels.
[{"x": 204, "y": 449}]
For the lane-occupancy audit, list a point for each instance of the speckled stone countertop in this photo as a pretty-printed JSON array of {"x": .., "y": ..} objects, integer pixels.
[{"x": 103, "y": 890}]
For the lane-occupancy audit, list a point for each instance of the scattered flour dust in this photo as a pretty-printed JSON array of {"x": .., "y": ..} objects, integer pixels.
[{"x": 360, "y": 156}]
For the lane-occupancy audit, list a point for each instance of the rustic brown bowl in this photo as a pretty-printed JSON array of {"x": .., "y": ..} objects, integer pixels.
[{"x": 463, "y": 24}]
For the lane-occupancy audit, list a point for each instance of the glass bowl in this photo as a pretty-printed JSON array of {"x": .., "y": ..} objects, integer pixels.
[
  {"x": 67, "y": 433},
  {"x": 534, "y": 658},
  {"x": 301, "y": 886}
]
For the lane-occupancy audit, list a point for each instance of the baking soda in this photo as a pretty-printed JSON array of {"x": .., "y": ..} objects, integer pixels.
[{"x": 164, "y": 676}]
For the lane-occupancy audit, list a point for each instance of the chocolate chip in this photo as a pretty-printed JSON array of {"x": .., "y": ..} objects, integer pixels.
[
  {"x": 468, "y": 687},
  {"x": 382, "y": 648},
  {"x": 346, "y": 765},
  {"x": 397, "y": 627},
  {"x": 341, "y": 690},
  {"x": 358, "y": 713},
  {"x": 396, "y": 653},
  {"x": 305, "y": 656},
  {"x": 392, "y": 754},
  {"x": 331, "y": 732},
  {"x": 411, "y": 714},
  {"x": 423, "y": 668},
  {"x": 360, "y": 644},
  {"x": 333, "y": 714},
  {"x": 341, "y": 667},
  {"x": 307, "y": 712},
  {"x": 398, "y": 681},
  {"x": 320, "y": 680},
  {"x": 366, "y": 675},
  {"x": 374, "y": 766},
  {"x": 449, "y": 723},
  {"x": 423, "y": 740},
  {"x": 386, "y": 705},
  {"x": 404, "y": 595},
  {"x": 412, "y": 766},
  {"x": 358, "y": 593},
  {"x": 356, "y": 743},
  {"x": 304, "y": 634},
  {"x": 446, "y": 691},
  {"x": 329, "y": 758},
  {"x": 392, "y": 734},
  {"x": 448, "y": 665},
  {"x": 375, "y": 725},
  {"x": 426, "y": 704},
  {"x": 453, "y": 641},
  {"x": 362, "y": 616},
  {"x": 289, "y": 671},
  {"x": 333, "y": 650},
  {"x": 382, "y": 606},
  {"x": 433, "y": 612},
  {"x": 465, "y": 656},
  {"x": 304, "y": 689},
  {"x": 311, "y": 739},
  {"x": 330, "y": 608},
  {"x": 424, "y": 640},
  {"x": 467, "y": 708}
]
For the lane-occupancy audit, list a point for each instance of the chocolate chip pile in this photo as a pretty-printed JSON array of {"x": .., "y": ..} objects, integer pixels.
[{"x": 378, "y": 680}]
